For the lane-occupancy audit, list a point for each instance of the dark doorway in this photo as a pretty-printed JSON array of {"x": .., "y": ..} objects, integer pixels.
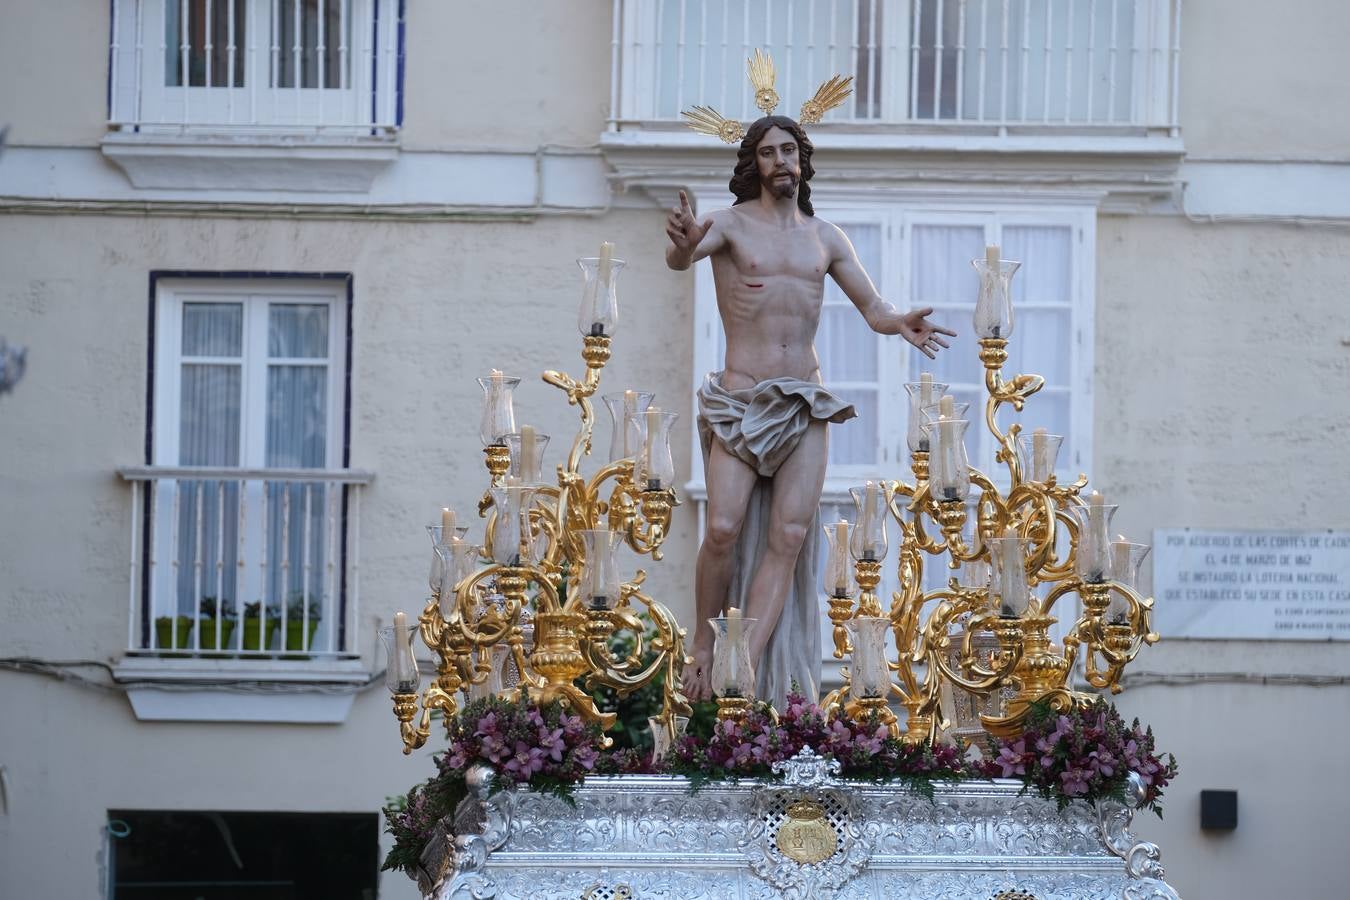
[{"x": 203, "y": 855}]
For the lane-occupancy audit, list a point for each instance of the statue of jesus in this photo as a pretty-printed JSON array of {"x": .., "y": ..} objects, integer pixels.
[{"x": 762, "y": 418}]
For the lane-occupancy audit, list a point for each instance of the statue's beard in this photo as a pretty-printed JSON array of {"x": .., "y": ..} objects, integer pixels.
[{"x": 783, "y": 188}]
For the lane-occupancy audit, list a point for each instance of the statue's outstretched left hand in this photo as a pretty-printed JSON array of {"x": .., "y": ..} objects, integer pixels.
[{"x": 915, "y": 328}]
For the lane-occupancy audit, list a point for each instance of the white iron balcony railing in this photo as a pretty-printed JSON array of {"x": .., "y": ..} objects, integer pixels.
[
  {"x": 1007, "y": 64},
  {"x": 261, "y": 66},
  {"x": 244, "y": 563}
]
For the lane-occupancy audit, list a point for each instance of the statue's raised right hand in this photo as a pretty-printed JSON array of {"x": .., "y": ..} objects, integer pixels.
[{"x": 684, "y": 230}]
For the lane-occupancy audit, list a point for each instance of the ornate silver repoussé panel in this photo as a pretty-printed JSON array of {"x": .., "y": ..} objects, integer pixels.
[{"x": 810, "y": 836}]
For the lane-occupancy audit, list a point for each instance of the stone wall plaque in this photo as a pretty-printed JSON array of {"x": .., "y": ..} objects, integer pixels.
[{"x": 1282, "y": 585}]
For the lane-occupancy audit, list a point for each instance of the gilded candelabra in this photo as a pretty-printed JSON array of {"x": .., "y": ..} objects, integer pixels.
[
  {"x": 1037, "y": 532},
  {"x": 548, "y": 565}
]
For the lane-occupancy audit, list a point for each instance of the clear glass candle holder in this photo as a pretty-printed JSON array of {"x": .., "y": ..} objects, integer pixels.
[
  {"x": 870, "y": 672},
  {"x": 499, "y": 416},
  {"x": 1038, "y": 453},
  {"x": 400, "y": 674},
  {"x": 733, "y": 672},
  {"x": 871, "y": 504},
  {"x": 599, "y": 313},
  {"x": 993, "y": 308},
  {"x": 654, "y": 468},
  {"x": 922, "y": 394},
  {"x": 457, "y": 558},
  {"x": 527, "y": 456},
  {"x": 512, "y": 541},
  {"x": 600, "y": 581},
  {"x": 948, "y": 464},
  {"x": 1010, "y": 593},
  {"x": 625, "y": 410},
  {"x": 435, "y": 575},
  {"x": 1092, "y": 561},
  {"x": 1126, "y": 558},
  {"x": 838, "y": 571}
]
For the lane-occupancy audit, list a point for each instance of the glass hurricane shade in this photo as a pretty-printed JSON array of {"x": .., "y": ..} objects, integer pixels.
[
  {"x": 527, "y": 459},
  {"x": 599, "y": 585},
  {"x": 1093, "y": 560},
  {"x": 457, "y": 559},
  {"x": 870, "y": 672},
  {"x": 1010, "y": 594},
  {"x": 400, "y": 673},
  {"x": 922, "y": 394},
  {"x": 625, "y": 411},
  {"x": 499, "y": 416},
  {"x": 838, "y": 580},
  {"x": 948, "y": 464},
  {"x": 1038, "y": 452},
  {"x": 438, "y": 538},
  {"x": 733, "y": 672},
  {"x": 654, "y": 468},
  {"x": 599, "y": 313},
  {"x": 661, "y": 735},
  {"x": 512, "y": 542},
  {"x": 1126, "y": 558},
  {"x": 871, "y": 503},
  {"x": 993, "y": 307}
]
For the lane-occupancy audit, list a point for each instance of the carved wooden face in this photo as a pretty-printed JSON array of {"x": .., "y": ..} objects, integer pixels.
[{"x": 779, "y": 164}]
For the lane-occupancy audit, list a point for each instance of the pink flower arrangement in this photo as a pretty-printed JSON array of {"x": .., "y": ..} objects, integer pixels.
[
  {"x": 522, "y": 743},
  {"x": 1085, "y": 754}
]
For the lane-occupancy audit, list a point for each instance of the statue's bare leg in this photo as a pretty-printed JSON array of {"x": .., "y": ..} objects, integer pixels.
[
  {"x": 796, "y": 498},
  {"x": 730, "y": 482}
]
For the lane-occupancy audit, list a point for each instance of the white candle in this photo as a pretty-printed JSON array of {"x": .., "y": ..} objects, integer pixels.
[
  {"x": 1040, "y": 455},
  {"x": 447, "y": 524},
  {"x": 734, "y": 626},
  {"x": 1120, "y": 559},
  {"x": 528, "y": 452},
  {"x": 839, "y": 574},
  {"x": 649, "y": 445},
  {"x": 869, "y": 499},
  {"x": 925, "y": 390},
  {"x": 991, "y": 257},
  {"x": 629, "y": 410},
  {"x": 1012, "y": 560},
  {"x": 946, "y": 426},
  {"x": 401, "y": 636},
  {"x": 606, "y": 261}
]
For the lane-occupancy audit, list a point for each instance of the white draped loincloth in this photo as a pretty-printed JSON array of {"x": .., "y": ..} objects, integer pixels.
[{"x": 761, "y": 426}]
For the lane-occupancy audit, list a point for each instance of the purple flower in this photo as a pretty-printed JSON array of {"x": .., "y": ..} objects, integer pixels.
[
  {"x": 1012, "y": 759},
  {"x": 1075, "y": 781},
  {"x": 525, "y": 761}
]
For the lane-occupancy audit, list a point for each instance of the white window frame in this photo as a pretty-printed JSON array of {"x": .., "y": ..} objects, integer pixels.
[
  {"x": 140, "y": 100},
  {"x": 255, "y": 294}
]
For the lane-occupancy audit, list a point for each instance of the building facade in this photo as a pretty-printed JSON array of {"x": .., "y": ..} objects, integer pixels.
[{"x": 260, "y": 249}]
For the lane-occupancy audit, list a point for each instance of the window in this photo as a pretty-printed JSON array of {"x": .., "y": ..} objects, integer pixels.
[
  {"x": 1004, "y": 62},
  {"x": 256, "y": 64},
  {"x": 249, "y": 375}
]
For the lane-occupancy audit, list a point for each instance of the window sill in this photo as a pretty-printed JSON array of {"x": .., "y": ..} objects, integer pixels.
[
  {"x": 241, "y": 161},
  {"x": 1121, "y": 170},
  {"x": 209, "y": 690}
]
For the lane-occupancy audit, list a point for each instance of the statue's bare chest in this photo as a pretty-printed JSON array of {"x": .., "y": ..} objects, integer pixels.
[{"x": 759, "y": 251}]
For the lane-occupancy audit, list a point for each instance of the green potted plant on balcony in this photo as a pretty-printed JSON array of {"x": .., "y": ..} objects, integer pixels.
[
  {"x": 171, "y": 635},
  {"x": 206, "y": 626},
  {"x": 298, "y": 636},
  {"x": 254, "y": 638}
]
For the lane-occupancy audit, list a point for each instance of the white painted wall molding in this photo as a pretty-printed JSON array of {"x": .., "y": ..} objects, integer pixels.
[
  {"x": 462, "y": 182},
  {"x": 227, "y": 164},
  {"x": 158, "y": 705},
  {"x": 1278, "y": 189},
  {"x": 1122, "y": 174}
]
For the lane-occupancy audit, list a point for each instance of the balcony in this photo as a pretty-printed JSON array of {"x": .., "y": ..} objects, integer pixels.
[
  {"x": 254, "y": 94},
  {"x": 975, "y": 91},
  {"x": 239, "y": 574}
]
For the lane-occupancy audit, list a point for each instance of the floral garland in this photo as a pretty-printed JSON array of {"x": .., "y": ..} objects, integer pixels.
[{"x": 1085, "y": 754}]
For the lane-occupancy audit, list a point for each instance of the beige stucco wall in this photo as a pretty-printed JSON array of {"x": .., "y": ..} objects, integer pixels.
[
  {"x": 1221, "y": 401},
  {"x": 1261, "y": 80}
]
